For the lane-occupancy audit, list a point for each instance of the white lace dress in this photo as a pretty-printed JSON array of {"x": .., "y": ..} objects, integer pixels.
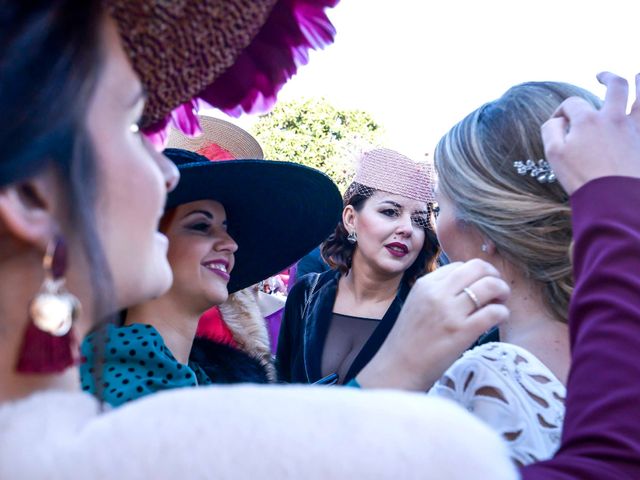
[{"x": 514, "y": 392}]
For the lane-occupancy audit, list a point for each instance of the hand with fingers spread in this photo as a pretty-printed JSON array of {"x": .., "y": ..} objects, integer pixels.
[
  {"x": 446, "y": 311},
  {"x": 582, "y": 143}
]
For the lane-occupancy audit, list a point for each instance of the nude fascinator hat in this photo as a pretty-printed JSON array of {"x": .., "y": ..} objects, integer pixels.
[{"x": 386, "y": 170}]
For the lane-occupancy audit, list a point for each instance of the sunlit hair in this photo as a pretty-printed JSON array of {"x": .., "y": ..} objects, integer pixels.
[
  {"x": 337, "y": 251},
  {"x": 529, "y": 222}
]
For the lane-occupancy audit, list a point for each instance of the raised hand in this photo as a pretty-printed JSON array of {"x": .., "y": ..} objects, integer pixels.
[
  {"x": 583, "y": 143},
  {"x": 445, "y": 312}
]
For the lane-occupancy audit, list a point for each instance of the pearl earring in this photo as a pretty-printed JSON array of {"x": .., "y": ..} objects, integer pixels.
[{"x": 47, "y": 346}]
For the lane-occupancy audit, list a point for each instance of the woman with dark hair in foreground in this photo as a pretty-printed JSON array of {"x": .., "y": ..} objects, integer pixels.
[
  {"x": 79, "y": 188},
  {"x": 48, "y": 428}
]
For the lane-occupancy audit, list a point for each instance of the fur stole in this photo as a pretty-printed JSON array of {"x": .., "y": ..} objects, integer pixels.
[{"x": 243, "y": 317}]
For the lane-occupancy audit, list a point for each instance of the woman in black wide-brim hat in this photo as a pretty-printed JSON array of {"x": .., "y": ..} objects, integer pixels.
[{"x": 222, "y": 239}]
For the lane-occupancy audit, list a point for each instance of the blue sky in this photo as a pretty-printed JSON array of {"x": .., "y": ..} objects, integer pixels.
[{"x": 420, "y": 66}]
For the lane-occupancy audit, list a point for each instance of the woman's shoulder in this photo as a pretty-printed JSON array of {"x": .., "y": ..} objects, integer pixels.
[
  {"x": 226, "y": 364},
  {"x": 133, "y": 362},
  {"x": 513, "y": 391},
  {"x": 310, "y": 283},
  {"x": 125, "y": 335},
  {"x": 506, "y": 364},
  {"x": 509, "y": 358},
  {"x": 317, "y": 278},
  {"x": 34, "y": 430}
]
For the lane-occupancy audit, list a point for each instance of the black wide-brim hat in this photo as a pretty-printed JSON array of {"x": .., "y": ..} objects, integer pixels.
[{"x": 277, "y": 212}]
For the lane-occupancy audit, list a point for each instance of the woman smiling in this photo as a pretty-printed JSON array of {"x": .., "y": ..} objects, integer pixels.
[{"x": 215, "y": 230}]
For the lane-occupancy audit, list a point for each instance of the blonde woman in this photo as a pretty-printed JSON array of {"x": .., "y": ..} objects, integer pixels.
[
  {"x": 517, "y": 217},
  {"x": 594, "y": 153},
  {"x": 499, "y": 202}
]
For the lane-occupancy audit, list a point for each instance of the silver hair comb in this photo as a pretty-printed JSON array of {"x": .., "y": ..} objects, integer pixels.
[{"x": 540, "y": 170}]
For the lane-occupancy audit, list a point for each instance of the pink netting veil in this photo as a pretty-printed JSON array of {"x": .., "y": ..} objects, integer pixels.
[
  {"x": 389, "y": 171},
  {"x": 386, "y": 170}
]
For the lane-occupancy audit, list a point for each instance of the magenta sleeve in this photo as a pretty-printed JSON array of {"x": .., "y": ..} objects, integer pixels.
[{"x": 601, "y": 436}]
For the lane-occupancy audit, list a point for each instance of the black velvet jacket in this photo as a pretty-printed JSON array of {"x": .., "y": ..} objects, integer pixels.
[{"x": 305, "y": 324}]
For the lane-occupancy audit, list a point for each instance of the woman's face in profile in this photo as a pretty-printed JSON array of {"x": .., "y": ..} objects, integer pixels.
[
  {"x": 459, "y": 241},
  {"x": 133, "y": 181}
]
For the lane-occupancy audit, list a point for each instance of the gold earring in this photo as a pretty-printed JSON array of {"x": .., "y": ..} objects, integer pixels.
[{"x": 53, "y": 309}]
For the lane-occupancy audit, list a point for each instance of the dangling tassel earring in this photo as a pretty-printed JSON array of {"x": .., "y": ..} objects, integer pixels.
[{"x": 48, "y": 340}]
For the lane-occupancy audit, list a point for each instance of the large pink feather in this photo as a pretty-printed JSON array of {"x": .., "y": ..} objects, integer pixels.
[{"x": 251, "y": 85}]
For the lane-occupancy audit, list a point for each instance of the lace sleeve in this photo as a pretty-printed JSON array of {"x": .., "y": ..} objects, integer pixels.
[{"x": 512, "y": 391}]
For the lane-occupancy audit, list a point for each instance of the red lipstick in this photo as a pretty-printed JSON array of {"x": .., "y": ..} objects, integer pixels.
[
  {"x": 219, "y": 267},
  {"x": 397, "y": 249}
]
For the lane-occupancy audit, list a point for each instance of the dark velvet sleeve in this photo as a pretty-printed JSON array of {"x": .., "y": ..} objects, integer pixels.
[
  {"x": 601, "y": 437},
  {"x": 289, "y": 337}
]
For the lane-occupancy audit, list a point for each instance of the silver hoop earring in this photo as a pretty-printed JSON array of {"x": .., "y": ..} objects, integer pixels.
[{"x": 352, "y": 238}]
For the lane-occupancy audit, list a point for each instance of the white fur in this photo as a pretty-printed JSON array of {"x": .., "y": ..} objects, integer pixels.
[{"x": 248, "y": 432}]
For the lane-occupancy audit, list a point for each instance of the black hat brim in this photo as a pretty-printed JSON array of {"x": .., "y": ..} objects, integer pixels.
[{"x": 276, "y": 211}]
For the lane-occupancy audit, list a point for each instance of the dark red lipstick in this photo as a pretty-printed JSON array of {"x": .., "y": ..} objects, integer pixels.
[{"x": 397, "y": 249}]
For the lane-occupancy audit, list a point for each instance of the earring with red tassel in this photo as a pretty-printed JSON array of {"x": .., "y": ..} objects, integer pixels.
[{"x": 48, "y": 341}]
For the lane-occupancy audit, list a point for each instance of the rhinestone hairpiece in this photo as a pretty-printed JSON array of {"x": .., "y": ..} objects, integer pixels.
[{"x": 540, "y": 170}]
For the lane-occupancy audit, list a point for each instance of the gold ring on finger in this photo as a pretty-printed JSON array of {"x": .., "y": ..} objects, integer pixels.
[{"x": 472, "y": 296}]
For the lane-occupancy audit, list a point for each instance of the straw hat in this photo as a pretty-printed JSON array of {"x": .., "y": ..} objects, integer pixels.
[
  {"x": 234, "y": 54},
  {"x": 230, "y": 138}
]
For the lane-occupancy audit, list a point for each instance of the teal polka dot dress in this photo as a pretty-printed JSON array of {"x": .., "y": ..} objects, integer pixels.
[{"x": 134, "y": 362}]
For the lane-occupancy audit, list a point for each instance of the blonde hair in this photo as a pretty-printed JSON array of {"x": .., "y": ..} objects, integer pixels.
[{"x": 529, "y": 222}]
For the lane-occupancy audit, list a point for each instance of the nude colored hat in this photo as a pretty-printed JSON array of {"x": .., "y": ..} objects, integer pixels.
[
  {"x": 233, "y": 54},
  {"x": 389, "y": 171}
]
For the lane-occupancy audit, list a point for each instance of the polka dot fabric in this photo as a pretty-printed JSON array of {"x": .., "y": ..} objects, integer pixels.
[{"x": 136, "y": 363}]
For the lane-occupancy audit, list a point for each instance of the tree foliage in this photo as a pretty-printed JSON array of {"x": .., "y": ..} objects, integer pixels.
[{"x": 315, "y": 133}]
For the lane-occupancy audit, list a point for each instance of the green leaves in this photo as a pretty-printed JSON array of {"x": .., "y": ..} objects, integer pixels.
[{"x": 315, "y": 133}]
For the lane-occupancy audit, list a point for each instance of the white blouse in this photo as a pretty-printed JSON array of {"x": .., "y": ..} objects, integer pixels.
[{"x": 514, "y": 392}]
